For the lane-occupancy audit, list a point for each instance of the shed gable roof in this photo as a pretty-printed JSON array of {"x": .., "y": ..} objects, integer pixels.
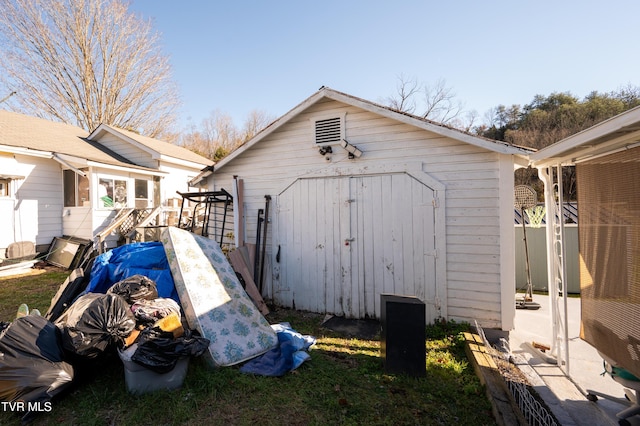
[{"x": 327, "y": 93}]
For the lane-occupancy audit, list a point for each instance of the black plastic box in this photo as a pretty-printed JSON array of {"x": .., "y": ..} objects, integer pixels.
[{"x": 402, "y": 340}]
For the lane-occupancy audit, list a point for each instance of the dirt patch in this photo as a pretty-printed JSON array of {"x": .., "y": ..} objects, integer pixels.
[
  {"x": 366, "y": 329},
  {"x": 47, "y": 267},
  {"x": 509, "y": 371}
]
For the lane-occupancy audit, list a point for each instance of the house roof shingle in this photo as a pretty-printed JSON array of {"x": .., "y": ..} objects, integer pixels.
[{"x": 32, "y": 133}]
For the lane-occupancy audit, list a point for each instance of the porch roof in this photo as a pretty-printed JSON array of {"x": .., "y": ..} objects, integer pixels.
[{"x": 615, "y": 134}]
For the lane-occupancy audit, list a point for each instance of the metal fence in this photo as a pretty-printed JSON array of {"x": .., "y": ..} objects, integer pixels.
[{"x": 534, "y": 413}]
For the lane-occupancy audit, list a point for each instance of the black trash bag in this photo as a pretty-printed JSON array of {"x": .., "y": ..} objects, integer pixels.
[
  {"x": 150, "y": 311},
  {"x": 32, "y": 365},
  {"x": 136, "y": 287},
  {"x": 159, "y": 351},
  {"x": 93, "y": 323}
]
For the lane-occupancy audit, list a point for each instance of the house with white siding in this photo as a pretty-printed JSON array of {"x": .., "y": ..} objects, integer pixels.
[
  {"x": 366, "y": 200},
  {"x": 60, "y": 180}
]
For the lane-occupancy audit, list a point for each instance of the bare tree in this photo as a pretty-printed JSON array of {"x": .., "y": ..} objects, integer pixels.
[
  {"x": 217, "y": 135},
  {"x": 255, "y": 122},
  {"x": 86, "y": 62},
  {"x": 467, "y": 123},
  {"x": 220, "y": 130},
  {"x": 404, "y": 98},
  {"x": 438, "y": 102}
]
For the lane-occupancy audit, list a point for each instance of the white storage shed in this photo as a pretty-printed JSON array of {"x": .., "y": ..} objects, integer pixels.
[{"x": 366, "y": 200}]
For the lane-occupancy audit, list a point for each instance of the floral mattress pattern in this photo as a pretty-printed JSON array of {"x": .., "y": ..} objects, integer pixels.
[{"x": 213, "y": 299}]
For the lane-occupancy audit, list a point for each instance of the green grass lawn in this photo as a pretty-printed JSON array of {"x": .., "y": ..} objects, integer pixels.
[{"x": 342, "y": 384}]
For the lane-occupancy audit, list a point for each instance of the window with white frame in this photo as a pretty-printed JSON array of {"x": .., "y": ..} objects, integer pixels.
[
  {"x": 141, "y": 188},
  {"x": 112, "y": 193},
  {"x": 4, "y": 187},
  {"x": 75, "y": 188}
]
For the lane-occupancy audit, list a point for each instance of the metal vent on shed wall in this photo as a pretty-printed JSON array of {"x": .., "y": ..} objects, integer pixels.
[{"x": 328, "y": 131}]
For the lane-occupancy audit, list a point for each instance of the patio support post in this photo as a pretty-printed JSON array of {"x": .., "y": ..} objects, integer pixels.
[{"x": 555, "y": 266}]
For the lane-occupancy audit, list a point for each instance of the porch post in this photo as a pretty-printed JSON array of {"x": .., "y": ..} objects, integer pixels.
[{"x": 556, "y": 266}]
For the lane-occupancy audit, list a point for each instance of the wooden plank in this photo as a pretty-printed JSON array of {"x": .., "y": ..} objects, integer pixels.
[
  {"x": 504, "y": 408},
  {"x": 252, "y": 256},
  {"x": 250, "y": 287},
  {"x": 240, "y": 214},
  {"x": 247, "y": 257}
]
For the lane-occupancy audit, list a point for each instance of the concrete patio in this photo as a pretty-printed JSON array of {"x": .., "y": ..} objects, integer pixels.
[{"x": 566, "y": 396}]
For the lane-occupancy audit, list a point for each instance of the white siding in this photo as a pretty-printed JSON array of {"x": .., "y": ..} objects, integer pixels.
[
  {"x": 38, "y": 214},
  {"x": 34, "y": 211},
  {"x": 471, "y": 175},
  {"x": 78, "y": 222},
  {"x": 101, "y": 219},
  {"x": 7, "y": 206},
  {"x": 127, "y": 150},
  {"x": 176, "y": 180}
]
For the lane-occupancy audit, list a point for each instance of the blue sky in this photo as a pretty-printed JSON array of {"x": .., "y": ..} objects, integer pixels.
[{"x": 237, "y": 56}]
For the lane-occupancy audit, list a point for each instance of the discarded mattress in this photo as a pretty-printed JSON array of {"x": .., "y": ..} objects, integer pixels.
[{"x": 213, "y": 300}]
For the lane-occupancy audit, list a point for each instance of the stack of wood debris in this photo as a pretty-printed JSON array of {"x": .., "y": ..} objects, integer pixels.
[{"x": 242, "y": 260}]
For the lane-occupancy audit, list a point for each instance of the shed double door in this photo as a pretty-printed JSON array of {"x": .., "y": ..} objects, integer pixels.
[{"x": 342, "y": 241}]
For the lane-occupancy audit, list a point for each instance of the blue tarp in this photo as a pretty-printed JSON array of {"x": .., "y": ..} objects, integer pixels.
[
  {"x": 287, "y": 356},
  {"x": 148, "y": 259}
]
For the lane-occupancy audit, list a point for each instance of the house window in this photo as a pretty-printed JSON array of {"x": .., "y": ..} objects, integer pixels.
[
  {"x": 142, "y": 193},
  {"x": 4, "y": 187},
  {"x": 328, "y": 130},
  {"x": 112, "y": 193},
  {"x": 76, "y": 189}
]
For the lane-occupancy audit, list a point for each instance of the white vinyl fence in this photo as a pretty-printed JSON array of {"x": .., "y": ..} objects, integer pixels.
[{"x": 536, "y": 243}]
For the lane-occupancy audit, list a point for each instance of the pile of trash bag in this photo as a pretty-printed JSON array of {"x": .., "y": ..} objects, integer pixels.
[
  {"x": 129, "y": 307},
  {"x": 159, "y": 338},
  {"x": 40, "y": 358}
]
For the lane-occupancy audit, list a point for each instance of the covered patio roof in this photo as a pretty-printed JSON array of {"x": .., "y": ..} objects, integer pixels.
[{"x": 615, "y": 134}]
